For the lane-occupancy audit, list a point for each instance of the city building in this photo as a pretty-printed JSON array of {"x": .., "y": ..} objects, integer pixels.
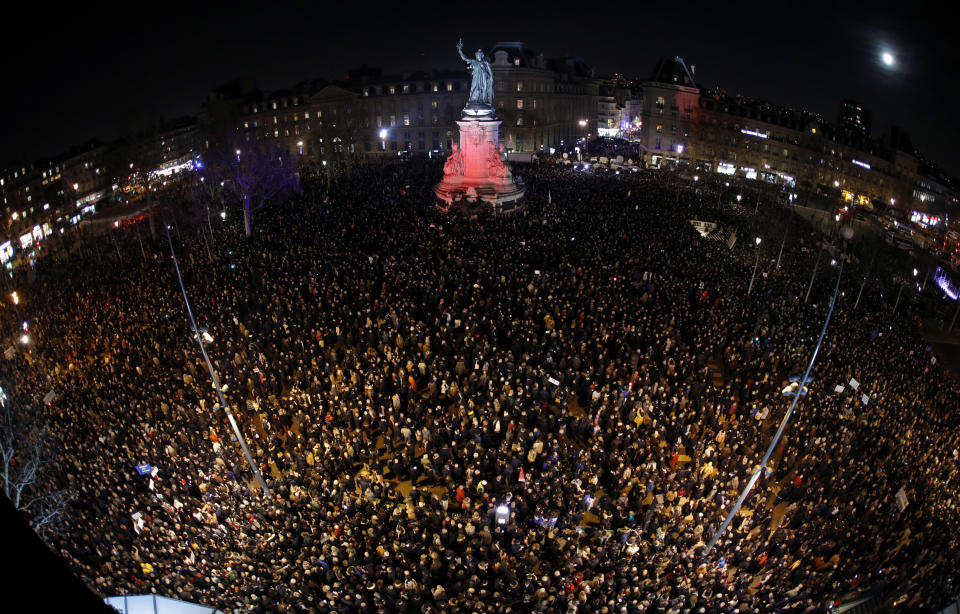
[
  {"x": 543, "y": 103},
  {"x": 669, "y": 107},
  {"x": 855, "y": 117},
  {"x": 52, "y": 194},
  {"x": 685, "y": 124}
]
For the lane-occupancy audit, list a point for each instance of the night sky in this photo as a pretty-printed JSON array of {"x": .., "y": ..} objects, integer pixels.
[{"x": 71, "y": 76}]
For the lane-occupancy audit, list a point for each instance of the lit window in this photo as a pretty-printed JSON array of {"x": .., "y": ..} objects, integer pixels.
[
  {"x": 516, "y": 61},
  {"x": 436, "y": 87},
  {"x": 274, "y": 105},
  {"x": 659, "y": 128},
  {"x": 393, "y": 90},
  {"x": 366, "y": 91},
  {"x": 406, "y": 88},
  {"x": 306, "y": 115},
  {"x": 519, "y": 103},
  {"x": 406, "y": 120},
  {"x": 433, "y": 104},
  {"x": 246, "y": 124},
  {"x": 449, "y": 87},
  {"x": 274, "y": 120},
  {"x": 519, "y": 86},
  {"x": 295, "y": 118},
  {"x": 276, "y": 133}
]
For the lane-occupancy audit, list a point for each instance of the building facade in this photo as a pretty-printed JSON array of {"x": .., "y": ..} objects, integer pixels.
[
  {"x": 543, "y": 104},
  {"x": 681, "y": 123}
]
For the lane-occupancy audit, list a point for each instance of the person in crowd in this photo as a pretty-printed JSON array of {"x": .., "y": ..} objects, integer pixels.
[{"x": 550, "y": 411}]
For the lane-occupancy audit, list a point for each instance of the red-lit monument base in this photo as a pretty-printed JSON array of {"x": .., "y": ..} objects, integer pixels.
[{"x": 475, "y": 172}]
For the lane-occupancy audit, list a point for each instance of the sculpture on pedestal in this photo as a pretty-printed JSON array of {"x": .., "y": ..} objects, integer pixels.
[
  {"x": 481, "y": 86},
  {"x": 475, "y": 171},
  {"x": 454, "y": 164}
]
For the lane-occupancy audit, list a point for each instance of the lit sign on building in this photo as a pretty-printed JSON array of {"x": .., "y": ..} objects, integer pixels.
[
  {"x": 90, "y": 198},
  {"x": 759, "y": 135},
  {"x": 726, "y": 168},
  {"x": 918, "y": 217},
  {"x": 750, "y": 173},
  {"x": 863, "y": 164}
]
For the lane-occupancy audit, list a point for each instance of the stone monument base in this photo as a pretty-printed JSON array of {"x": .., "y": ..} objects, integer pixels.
[{"x": 475, "y": 173}]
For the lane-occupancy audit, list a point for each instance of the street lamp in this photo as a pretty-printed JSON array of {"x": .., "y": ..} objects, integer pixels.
[
  {"x": 756, "y": 264},
  {"x": 814, "y": 275},
  {"x": 203, "y": 337},
  {"x": 797, "y": 393}
]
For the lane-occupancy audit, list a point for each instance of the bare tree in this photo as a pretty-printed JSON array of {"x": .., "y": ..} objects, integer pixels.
[
  {"x": 254, "y": 173},
  {"x": 26, "y": 459}
]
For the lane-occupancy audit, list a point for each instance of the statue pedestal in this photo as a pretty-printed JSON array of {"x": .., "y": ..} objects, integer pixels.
[{"x": 476, "y": 171}]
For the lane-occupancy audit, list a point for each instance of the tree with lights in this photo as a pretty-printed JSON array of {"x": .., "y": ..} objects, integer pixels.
[
  {"x": 26, "y": 465},
  {"x": 254, "y": 174}
]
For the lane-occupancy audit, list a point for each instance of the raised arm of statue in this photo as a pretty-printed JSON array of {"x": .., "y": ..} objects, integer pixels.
[{"x": 460, "y": 51}]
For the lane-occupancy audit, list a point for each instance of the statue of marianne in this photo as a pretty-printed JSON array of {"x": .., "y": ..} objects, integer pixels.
[{"x": 481, "y": 88}]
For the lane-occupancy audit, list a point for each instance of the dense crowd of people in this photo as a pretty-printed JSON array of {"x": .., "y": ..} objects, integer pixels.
[{"x": 550, "y": 411}]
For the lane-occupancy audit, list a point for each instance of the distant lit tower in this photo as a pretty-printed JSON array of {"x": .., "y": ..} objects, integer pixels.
[{"x": 855, "y": 117}]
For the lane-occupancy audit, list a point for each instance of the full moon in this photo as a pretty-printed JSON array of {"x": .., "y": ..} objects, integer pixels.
[{"x": 887, "y": 58}]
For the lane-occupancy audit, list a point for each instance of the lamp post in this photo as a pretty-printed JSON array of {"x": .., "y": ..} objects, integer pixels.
[
  {"x": 954, "y": 319},
  {"x": 784, "y": 242},
  {"x": 814, "y": 275},
  {"x": 897, "y": 303},
  {"x": 801, "y": 389},
  {"x": 752, "y": 277},
  {"x": 204, "y": 338},
  {"x": 902, "y": 283},
  {"x": 859, "y": 294}
]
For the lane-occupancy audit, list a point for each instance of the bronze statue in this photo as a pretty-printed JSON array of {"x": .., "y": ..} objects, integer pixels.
[{"x": 481, "y": 87}]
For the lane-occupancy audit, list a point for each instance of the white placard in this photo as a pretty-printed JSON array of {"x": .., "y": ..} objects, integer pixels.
[
  {"x": 854, "y": 383},
  {"x": 865, "y": 399},
  {"x": 840, "y": 388},
  {"x": 902, "y": 500}
]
